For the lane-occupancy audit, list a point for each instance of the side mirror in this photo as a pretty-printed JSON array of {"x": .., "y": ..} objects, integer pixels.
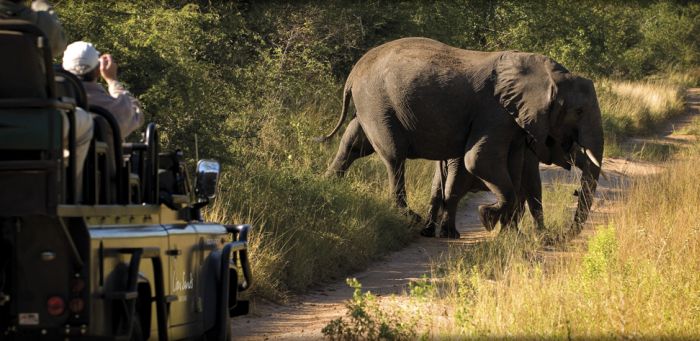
[{"x": 206, "y": 179}]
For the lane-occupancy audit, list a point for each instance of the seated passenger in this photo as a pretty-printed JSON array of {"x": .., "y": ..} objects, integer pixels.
[
  {"x": 83, "y": 60},
  {"x": 40, "y": 15}
]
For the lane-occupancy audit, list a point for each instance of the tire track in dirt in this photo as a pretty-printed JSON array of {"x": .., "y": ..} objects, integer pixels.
[{"x": 305, "y": 315}]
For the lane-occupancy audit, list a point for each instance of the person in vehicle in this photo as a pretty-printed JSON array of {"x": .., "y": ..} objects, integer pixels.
[
  {"x": 40, "y": 14},
  {"x": 83, "y": 60}
]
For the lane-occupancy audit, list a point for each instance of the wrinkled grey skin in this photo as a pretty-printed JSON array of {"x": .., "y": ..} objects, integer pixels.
[
  {"x": 419, "y": 98},
  {"x": 452, "y": 182}
]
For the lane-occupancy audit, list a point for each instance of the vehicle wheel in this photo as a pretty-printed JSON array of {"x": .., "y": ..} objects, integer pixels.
[
  {"x": 213, "y": 334},
  {"x": 136, "y": 331}
]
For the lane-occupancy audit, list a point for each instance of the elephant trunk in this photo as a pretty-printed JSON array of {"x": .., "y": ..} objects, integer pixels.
[{"x": 589, "y": 159}]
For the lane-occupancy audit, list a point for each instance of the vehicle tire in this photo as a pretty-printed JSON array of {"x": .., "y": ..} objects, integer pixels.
[
  {"x": 136, "y": 331},
  {"x": 213, "y": 334}
]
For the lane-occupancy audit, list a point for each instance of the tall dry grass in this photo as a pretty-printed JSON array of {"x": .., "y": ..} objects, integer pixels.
[
  {"x": 637, "y": 277},
  {"x": 308, "y": 229},
  {"x": 637, "y": 107},
  {"x": 640, "y": 275},
  {"x": 631, "y": 108}
]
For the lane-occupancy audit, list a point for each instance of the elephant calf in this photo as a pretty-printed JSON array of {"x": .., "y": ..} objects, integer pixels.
[
  {"x": 452, "y": 182},
  {"x": 419, "y": 98}
]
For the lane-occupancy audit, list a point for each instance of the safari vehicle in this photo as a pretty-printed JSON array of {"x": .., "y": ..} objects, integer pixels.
[{"x": 122, "y": 255}]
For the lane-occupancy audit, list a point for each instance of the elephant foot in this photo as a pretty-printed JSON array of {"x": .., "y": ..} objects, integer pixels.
[
  {"x": 333, "y": 173},
  {"x": 428, "y": 231},
  {"x": 574, "y": 230},
  {"x": 551, "y": 240},
  {"x": 450, "y": 233},
  {"x": 415, "y": 217},
  {"x": 488, "y": 217},
  {"x": 540, "y": 227}
]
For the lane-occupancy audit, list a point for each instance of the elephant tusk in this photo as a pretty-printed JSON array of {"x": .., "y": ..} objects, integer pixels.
[{"x": 590, "y": 155}]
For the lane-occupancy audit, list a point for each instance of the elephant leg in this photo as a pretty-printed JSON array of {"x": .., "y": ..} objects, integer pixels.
[
  {"x": 532, "y": 188},
  {"x": 436, "y": 199},
  {"x": 396, "y": 170},
  {"x": 516, "y": 155},
  {"x": 389, "y": 140},
  {"x": 486, "y": 161},
  {"x": 458, "y": 183},
  {"x": 353, "y": 145}
]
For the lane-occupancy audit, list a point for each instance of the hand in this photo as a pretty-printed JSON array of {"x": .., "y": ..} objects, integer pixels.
[{"x": 108, "y": 68}]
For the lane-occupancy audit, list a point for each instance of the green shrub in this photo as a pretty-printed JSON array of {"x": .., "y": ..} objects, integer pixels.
[
  {"x": 367, "y": 321},
  {"x": 601, "y": 255}
]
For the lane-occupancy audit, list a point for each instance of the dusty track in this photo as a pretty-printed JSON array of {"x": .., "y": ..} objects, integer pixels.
[{"x": 305, "y": 316}]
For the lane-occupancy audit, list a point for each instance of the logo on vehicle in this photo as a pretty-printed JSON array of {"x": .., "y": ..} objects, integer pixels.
[{"x": 184, "y": 283}]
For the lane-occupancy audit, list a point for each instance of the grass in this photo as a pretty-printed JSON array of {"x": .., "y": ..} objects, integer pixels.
[
  {"x": 308, "y": 229},
  {"x": 637, "y": 108},
  {"x": 637, "y": 277}
]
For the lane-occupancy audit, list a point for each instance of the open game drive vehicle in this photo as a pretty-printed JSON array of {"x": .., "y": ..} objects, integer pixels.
[{"x": 122, "y": 255}]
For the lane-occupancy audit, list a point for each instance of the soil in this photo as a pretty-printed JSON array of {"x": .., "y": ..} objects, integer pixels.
[{"x": 305, "y": 315}]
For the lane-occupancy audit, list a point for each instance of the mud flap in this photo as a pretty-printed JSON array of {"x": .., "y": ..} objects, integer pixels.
[{"x": 236, "y": 307}]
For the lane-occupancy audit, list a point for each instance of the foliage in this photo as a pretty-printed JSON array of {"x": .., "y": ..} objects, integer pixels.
[
  {"x": 367, "y": 321},
  {"x": 601, "y": 253},
  {"x": 422, "y": 288}
]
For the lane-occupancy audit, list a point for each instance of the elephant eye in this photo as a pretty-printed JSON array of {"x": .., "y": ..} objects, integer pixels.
[{"x": 579, "y": 112}]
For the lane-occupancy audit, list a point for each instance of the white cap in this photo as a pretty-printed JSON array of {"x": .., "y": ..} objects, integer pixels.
[{"x": 80, "y": 57}]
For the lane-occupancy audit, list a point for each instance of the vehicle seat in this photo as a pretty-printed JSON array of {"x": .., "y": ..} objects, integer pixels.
[
  {"x": 107, "y": 131},
  {"x": 24, "y": 82},
  {"x": 70, "y": 86},
  {"x": 172, "y": 180},
  {"x": 24, "y": 72},
  {"x": 31, "y": 124}
]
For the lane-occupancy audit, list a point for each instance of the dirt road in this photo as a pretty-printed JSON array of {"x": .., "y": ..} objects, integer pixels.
[{"x": 305, "y": 316}]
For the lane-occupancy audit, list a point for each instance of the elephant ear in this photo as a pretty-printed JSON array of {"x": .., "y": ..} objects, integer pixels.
[{"x": 525, "y": 88}]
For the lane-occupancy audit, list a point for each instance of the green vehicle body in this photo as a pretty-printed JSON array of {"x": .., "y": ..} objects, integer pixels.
[{"x": 129, "y": 256}]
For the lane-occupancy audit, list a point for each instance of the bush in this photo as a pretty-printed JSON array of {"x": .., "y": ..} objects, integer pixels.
[
  {"x": 367, "y": 321},
  {"x": 601, "y": 253}
]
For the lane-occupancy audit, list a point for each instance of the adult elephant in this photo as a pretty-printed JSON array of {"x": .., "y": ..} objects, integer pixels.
[
  {"x": 452, "y": 182},
  {"x": 419, "y": 98}
]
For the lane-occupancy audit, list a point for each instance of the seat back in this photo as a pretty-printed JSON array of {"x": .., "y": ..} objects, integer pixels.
[
  {"x": 26, "y": 72},
  {"x": 103, "y": 132},
  {"x": 69, "y": 86},
  {"x": 31, "y": 124},
  {"x": 107, "y": 129}
]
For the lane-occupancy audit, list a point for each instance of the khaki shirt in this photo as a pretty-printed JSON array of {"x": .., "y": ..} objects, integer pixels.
[
  {"x": 119, "y": 101},
  {"x": 40, "y": 15}
]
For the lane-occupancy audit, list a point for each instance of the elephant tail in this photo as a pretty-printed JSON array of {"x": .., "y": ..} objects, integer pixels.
[{"x": 347, "y": 95}]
